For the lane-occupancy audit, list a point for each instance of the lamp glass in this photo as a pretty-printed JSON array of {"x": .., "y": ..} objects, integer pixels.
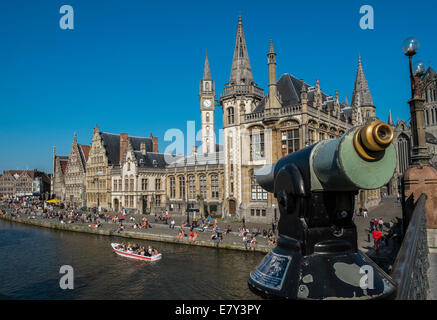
[
  {"x": 419, "y": 68},
  {"x": 410, "y": 46}
]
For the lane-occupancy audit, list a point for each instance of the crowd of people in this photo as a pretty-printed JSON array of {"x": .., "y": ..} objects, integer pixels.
[
  {"x": 136, "y": 249},
  {"x": 37, "y": 209}
]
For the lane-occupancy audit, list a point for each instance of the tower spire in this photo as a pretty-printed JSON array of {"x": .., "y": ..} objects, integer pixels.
[
  {"x": 241, "y": 72},
  {"x": 206, "y": 71},
  {"x": 361, "y": 96},
  {"x": 390, "y": 119}
]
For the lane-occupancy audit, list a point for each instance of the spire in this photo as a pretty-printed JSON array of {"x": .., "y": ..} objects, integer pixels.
[
  {"x": 346, "y": 102},
  {"x": 390, "y": 119},
  {"x": 241, "y": 73},
  {"x": 75, "y": 138},
  {"x": 361, "y": 96},
  {"x": 271, "y": 50},
  {"x": 206, "y": 71}
]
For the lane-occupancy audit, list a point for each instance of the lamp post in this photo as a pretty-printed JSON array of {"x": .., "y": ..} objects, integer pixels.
[
  {"x": 421, "y": 177},
  {"x": 98, "y": 174}
]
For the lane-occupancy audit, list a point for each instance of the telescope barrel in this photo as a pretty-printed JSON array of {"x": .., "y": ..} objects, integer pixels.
[{"x": 363, "y": 158}]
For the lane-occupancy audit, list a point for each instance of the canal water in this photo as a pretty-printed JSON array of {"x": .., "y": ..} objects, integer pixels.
[{"x": 30, "y": 259}]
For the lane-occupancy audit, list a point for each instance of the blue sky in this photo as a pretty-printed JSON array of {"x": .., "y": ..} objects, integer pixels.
[{"x": 134, "y": 66}]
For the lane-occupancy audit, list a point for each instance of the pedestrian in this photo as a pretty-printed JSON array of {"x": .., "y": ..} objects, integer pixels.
[
  {"x": 245, "y": 242},
  {"x": 399, "y": 197},
  {"x": 365, "y": 213},
  {"x": 172, "y": 224},
  {"x": 381, "y": 224},
  {"x": 375, "y": 224},
  {"x": 244, "y": 221}
]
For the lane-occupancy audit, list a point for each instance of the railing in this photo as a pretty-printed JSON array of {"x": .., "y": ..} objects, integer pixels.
[
  {"x": 242, "y": 89},
  {"x": 411, "y": 264}
]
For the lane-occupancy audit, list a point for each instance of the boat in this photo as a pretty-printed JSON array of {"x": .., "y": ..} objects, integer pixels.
[{"x": 123, "y": 253}]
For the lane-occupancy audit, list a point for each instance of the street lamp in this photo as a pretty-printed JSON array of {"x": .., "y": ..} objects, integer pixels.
[
  {"x": 421, "y": 176},
  {"x": 420, "y": 154}
]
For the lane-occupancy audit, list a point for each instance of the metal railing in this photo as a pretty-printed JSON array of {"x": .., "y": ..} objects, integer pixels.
[{"x": 411, "y": 264}]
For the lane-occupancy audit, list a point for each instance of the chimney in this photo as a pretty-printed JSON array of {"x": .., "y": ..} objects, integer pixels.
[
  {"x": 123, "y": 146},
  {"x": 143, "y": 148},
  {"x": 155, "y": 143}
]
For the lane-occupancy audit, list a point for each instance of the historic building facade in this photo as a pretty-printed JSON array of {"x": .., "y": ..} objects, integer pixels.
[
  {"x": 140, "y": 182},
  {"x": 75, "y": 174},
  {"x": 196, "y": 181},
  {"x": 22, "y": 183},
  {"x": 58, "y": 179},
  {"x": 107, "y": 153}
]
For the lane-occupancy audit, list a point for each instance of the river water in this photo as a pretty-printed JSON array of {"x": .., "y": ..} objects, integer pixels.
[{"x": 31, "y": 257}]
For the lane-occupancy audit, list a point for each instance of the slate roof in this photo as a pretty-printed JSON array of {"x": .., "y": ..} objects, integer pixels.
[
  {"x": 289, "y": 88},
  {"x": 112, "y": 145},
  {"x": 430, "y": 138},
  {"x": 149, "y": 159},
  {"x": 199, "y": 159}
]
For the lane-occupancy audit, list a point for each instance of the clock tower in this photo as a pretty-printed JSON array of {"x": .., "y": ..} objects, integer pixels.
[{"x": 207, "y": 105}]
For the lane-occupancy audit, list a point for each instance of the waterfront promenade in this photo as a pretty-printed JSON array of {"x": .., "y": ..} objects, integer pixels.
[{"x": 159, "y": 231}]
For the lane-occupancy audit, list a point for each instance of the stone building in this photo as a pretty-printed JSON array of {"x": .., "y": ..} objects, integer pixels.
[
  {"x": 429, "y": 86},
  {"x": 107, "y": 153},
  {"x": 75, "y": 174},
  {"x": 196, "y": 181},
  {"x": 58, "y": 179},
  {"x": 139, "y": 184},
  {"x": 23, "y": 183},
  {"x": 403, "y": 143},
  {"x": 259, "y": 130}
]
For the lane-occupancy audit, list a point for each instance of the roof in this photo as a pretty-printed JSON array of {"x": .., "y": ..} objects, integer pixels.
[
  {"x": 430, "y": 138},
  {"x": 149, "y": 159},
  {"x": 112, "y": 145},
  {"x": 85, "y": 151},
  {"x": 198, "y": 159},
  {"x": 289, "y": 88}
]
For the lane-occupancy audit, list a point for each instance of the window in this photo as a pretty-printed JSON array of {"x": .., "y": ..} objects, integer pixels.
[
  {"x": 192, "y": 187},
  {"x": 202, "y": 182},
  {"x": 182, "y": 187},
  {"x": 144, "y": 184},
  {"x": 172, "y": 187},
  {"x": 230, "y": 115},
  {"x": 252, "y": 212},
  {"x": 256, "y": 146},
  {"x": 214, "y": 187},
  {"x": 207, "y": 117},
  {"x": 158, "y": 200},
  {"x": 290, "y": 139},
  {"x": 115, "y": 185},
  {"x": 258, "y": 193},
  {"x": 120, "y": 183},
  {"x": 157, "y": 184},
  {"x": 131, "y": 184},
  {"x": 311, "y": 139},
  {"x": 126, "y": 184}
]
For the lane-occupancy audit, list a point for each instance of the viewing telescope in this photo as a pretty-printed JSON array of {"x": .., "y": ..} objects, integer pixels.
[{"x": 317, "y": 255}]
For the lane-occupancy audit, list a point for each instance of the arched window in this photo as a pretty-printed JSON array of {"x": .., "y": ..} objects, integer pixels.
[
  {"x": 181, "y": 187},
  {"x": 206, "y": 86},
  {"x": 202, "y": 182},
  {"x": 172, "y": 188},
  {"x": 126, "y": 183},
  {"x": 207, "y": 117},
  {"x": 230, "y": 115},
  {"x": 192, "y": 187},
  {"x": 214, "y": 186},
  {"x": 256, "y": 145}
]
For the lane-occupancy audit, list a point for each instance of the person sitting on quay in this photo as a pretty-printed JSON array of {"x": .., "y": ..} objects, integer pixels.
[
  {"x": 253, "y": 242},
  {"x": 228, "y": 229},
  {"x": 172, "y": 224},
  {"x": 181, "y": 234},
  {"x": 95, "y": 226}
]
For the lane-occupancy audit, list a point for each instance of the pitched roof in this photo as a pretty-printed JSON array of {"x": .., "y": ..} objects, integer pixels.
[
  {"x": 289, "y": 89},
  {"x": 85, "y": 149},
  {"x": 150, "y": 159},
  {"x": 361, "y": 95},
  {"x": 241, "y": 72},
  {"x": 206, "y": 71},
  {"x": 112, "y": 145}
]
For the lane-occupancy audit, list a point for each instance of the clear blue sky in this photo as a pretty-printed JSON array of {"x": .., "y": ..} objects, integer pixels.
[{"x": 134, "y": 66}]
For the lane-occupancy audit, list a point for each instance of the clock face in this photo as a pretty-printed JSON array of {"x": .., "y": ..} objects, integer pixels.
[{"x": 207, "y": 103}]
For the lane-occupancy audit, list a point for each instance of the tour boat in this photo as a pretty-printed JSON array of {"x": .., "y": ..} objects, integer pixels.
[{"x": 133, "y": 255}]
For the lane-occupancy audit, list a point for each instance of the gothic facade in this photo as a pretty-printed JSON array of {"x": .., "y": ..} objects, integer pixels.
[
  {"x": 57, "y": 188},
  {"x": 139, "y": 183},
  {"x": 75, "y": 175},
  {"x": 107, "y": 153}
]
